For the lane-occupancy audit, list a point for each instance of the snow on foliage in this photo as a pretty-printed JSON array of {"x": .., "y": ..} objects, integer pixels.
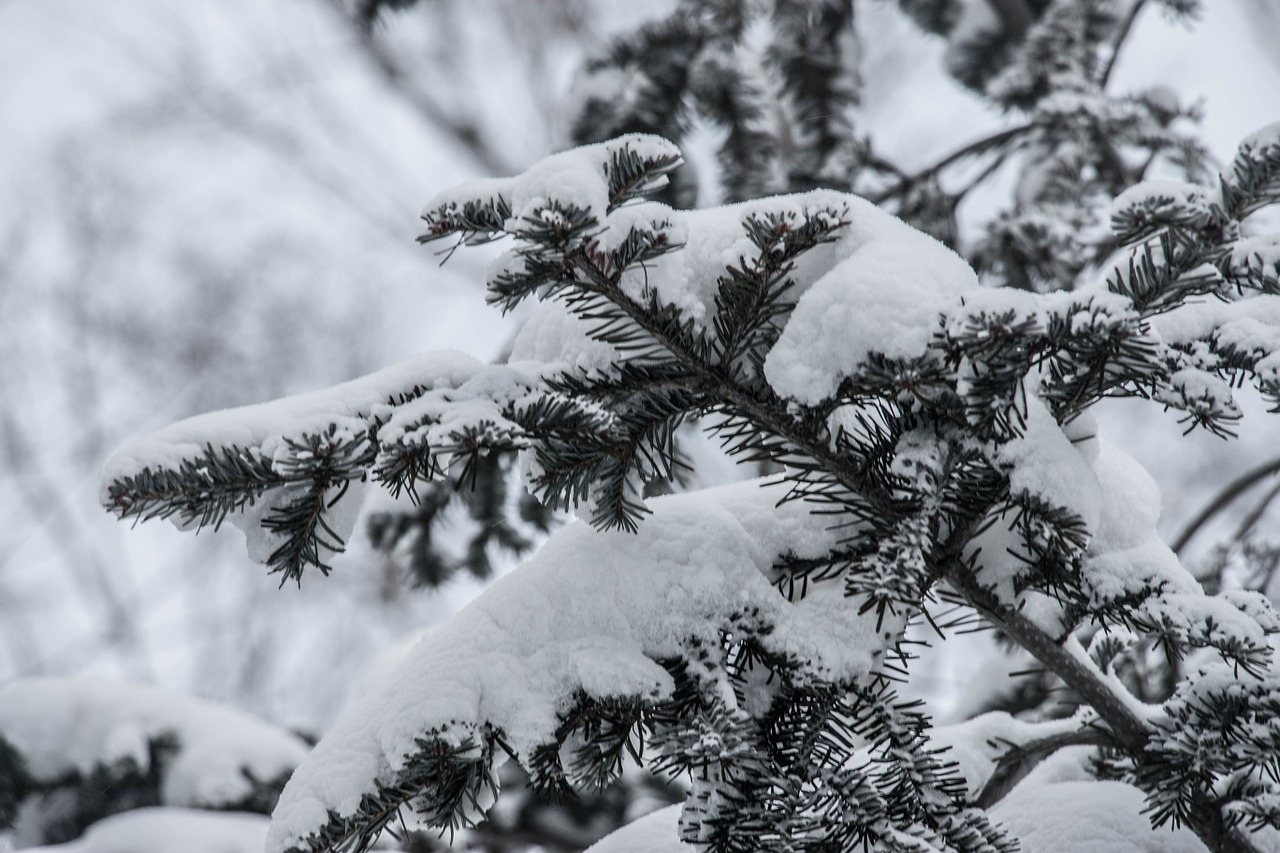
[
  {"x": 592, "y": 613},
  {"x": 214, "y": 756},
  {"x": 938, "y": 432}
]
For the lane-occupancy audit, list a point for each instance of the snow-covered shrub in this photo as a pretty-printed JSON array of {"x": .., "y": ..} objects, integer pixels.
[
  {"x": 933, "y": 446},
  {"x": 74, "y": 750}
]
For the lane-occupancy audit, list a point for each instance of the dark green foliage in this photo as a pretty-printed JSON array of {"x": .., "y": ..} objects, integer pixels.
[
  {"x": 912, "y": 458},
  {"x": 1217, "y": 753}
]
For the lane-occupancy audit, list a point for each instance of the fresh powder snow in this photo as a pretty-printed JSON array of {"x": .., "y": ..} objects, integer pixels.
[{"x": 591, "y": 611}]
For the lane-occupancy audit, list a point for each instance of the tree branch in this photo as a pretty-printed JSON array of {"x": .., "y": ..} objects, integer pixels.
[
  {"x": 1127, "y": 728},
  {"x": 971, "y": 149},
  {"x": 1014, "y": 765},
  {"x": 1224, "y": 499}
]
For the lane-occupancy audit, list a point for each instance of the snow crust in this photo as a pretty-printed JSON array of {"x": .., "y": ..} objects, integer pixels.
[
  {"x": 169, "y": 830},
  {"x": 591, "y": 611},
  {"x": 67, "y": 726}
]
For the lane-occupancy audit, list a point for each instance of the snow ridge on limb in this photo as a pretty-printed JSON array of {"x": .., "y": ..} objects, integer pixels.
[
  {"x": 595, "y": 631},
  {"x": 290, "y": 472}
]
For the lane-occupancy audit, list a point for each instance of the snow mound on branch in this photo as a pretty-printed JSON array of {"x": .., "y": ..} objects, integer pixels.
[
  {"x": 590, "y": 612},
  {"x": 887, "y": 286},
  {"x": 1044, "y": 462},
  {"x": 656, "y": 832},
  {"x": 64, "y": 726},
  {"x": 169, "y": 830},
  {"x": 269, "y": 423},
  {"x": 572, "y": 178},
  {"x": 877, "y": 288},
  {"x": 267, "y": 429},
  {"x": 1087, "y": 817},
  {"x": 555, "y": 335}
]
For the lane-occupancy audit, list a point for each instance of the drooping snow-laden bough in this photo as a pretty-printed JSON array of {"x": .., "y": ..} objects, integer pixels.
[{"x": 933, "y": 445}]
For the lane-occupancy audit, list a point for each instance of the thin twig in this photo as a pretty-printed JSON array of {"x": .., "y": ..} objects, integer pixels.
[
  {"x": 1014, "y": 765},
  {"x": 1117, "y": 42},
  {"x": 1255, "y": 515},
  {"x": 972, "y": 148},
  {"x": 1224, "y": 499}
]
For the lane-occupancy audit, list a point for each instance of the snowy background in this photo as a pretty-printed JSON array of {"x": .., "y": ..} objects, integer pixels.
[{"x": 209, "y": 204}]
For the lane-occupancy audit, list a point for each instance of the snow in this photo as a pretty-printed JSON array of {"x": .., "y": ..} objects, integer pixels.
[
  {"x": 656, "y": 832},
  {"x": 1256, "y": 255},
  {"x": 591, "y": 611},
  {"x": 555, "y": 335},
  {"x": 878, "y": 287},
  {"x": 432, "y": 398},
  {"x": 1087, "y": 817},
  {"x": 1165, "y": 201},
  {"x": 169, "y": 830},
  {"x": 571, "y": 179},
  {"x": 1262, "y": 139},
  {"x": 289, "y": 417},
  {"x": 1247, "y": 322},
  {"x": 70, "y": 725},
  {"x": 1044, "y": 462},
  {"x": 1130, "y": 500},
  {"x": 886, "y": 289}
]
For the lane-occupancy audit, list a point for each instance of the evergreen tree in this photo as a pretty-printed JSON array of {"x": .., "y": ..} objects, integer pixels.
[
  {"x": 931, "y": 444},
  {"x": 934, "y": 445},
  {"x": 782, "y": 107}
]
